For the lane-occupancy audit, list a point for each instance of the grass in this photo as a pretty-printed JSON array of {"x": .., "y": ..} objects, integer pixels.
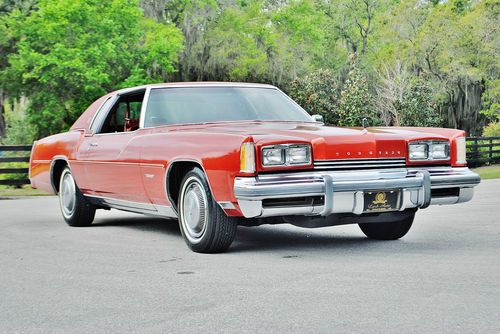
[
  {"x": 6, "y": 191},
  {"x": 489, "y": 172}
]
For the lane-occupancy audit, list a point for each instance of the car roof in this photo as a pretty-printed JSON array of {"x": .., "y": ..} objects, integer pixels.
[{"x": 195, "y": 84}]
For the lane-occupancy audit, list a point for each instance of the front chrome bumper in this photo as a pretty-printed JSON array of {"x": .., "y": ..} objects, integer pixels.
[{"x": 343, "y": 191}]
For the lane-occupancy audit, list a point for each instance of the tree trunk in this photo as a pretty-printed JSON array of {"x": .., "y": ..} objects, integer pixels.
[
  {"x": 464, "y": 106},
  {"x": 2, "y": 114},
  {"x": 154, "y": 9}
]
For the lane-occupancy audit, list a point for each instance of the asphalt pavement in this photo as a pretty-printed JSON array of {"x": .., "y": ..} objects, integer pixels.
[{"x": 133, "y": 274}]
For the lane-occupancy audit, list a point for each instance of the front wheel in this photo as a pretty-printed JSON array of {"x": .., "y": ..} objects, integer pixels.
[
  {"x": 388, "y": 230},
  {"x": 76, "y": 210},
  {"x": 204, "y": 225}
]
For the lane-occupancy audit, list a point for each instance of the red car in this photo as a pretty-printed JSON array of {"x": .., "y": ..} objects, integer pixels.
[{"x": 215, "y": 155}]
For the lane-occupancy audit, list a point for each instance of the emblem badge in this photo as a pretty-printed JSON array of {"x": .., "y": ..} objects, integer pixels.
[{"x": 380, "y": 198}]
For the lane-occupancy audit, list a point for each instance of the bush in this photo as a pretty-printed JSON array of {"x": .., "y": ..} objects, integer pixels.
[
  {"x": 404, "y": 99},
  {"x": 492, "y": 129},
  {"x": 317, "y": 93},
  {"x": 356, "y": 101},
  {"x": 491, "y": 101},
  {"x": 18, "y": 131},
  {"x": 417, "y": 107}
]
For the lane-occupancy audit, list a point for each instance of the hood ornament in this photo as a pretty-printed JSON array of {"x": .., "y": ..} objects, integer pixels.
[{"x": 365, "y": 122}]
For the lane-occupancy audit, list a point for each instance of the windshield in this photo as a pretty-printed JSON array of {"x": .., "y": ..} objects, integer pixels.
[{"x": 187, "y": 105}]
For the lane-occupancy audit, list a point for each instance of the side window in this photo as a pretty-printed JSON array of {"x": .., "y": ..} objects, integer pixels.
[{"x": 124, "y": 115}]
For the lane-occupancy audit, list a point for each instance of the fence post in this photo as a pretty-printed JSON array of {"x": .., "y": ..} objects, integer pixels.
[
  {"x": 16, "y": 174},
  {"x": 476, "y": 152},
  {"x": 490, "y": 158}
]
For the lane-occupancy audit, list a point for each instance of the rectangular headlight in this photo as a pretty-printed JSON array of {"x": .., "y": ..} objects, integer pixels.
[
  {"x": 461, "y": 151},
  {"x": 299, "y": 154},
  {"x": 286, "y": 155},
  {"x": 429, "y": 150},
  {"x": 418, "y": 151},
  {"x": 439, "y": 151},
  {"x": 273, "y": 156}
]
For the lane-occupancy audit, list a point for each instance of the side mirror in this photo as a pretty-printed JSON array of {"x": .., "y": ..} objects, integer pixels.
[{"x": 318, "y": 118}]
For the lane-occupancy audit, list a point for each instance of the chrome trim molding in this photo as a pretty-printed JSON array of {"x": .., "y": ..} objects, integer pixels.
[
  {"x": 51, "y": 170},
  {"x": 137, "y": 207},
  {"x": 144, "y": 106},
  {"x": 91, "y": 124},
  {"x": 343, "y": 191},
  {"x": 359, "y": 163},
  {"x": 226, "y": 205}
]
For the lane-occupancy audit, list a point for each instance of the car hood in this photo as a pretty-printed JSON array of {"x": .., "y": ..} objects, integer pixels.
[{"x": 330, "y": 142}]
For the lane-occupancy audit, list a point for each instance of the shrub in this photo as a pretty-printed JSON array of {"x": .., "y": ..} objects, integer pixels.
[
  {"x": 356, "y": 101},
  {"x": 317, "y": 93},
  {"x": 492, "y": 129},
  {"x": 417, "y": 106},
  {"x": 404, "y": 99}
]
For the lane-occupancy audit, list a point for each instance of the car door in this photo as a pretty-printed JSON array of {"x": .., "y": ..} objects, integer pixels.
[{"x": 112, "y": 161}]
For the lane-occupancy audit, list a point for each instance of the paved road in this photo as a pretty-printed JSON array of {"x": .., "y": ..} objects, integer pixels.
[{"x": 131, "y": 273}]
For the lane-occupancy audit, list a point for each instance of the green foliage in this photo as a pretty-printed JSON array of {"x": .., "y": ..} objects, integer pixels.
[
  {"x": 240, "y": 39},
  {"x": 19, "y": 131},
  {"x": 491, "y": 101},
  {"x": 61, "y": 55},
  {"x": 72, "y": 51},
  {"x": 356, "y": 101},
  {"x": 404, "y": 99},
  {"x": 317, "y": 93},
  {"x": 492, "y": 129},
  {"x": 417, "y": 107},
  {"x": 454, "y": 45}
]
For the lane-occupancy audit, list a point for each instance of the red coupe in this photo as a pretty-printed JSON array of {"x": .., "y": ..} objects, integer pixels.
[{"x": 218, "y": 155}]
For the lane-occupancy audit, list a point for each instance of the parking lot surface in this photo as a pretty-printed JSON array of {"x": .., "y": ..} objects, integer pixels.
[{"x": 132, "y": 273}]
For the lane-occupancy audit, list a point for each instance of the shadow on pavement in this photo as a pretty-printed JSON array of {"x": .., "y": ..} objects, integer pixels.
[
  {"x": 267, "y": 238},
  {"x": 256, "y": 238},
  {"x": 143, "y": 223},
  {"x": 250, "y": 238}
]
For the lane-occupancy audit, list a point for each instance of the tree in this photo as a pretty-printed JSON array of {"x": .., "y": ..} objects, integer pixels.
[
  {"x": 491, "y": 101},
  {"x": 317, "y": 93},
  {"x": 264, "y": 41},
  {"x": 353, "y": 21},
  {"x": 356, "y": 101},
  {"x": 465, "y": 62},
  {"x": 8, "y": 8},
  {"x": 417, "y": 107},
  {"x": 69, "y": 52},
  {"x": 404, "y": 99},
  {"x": 390, "y": 91}
]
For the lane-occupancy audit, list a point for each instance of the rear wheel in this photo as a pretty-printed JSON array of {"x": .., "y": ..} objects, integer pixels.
[
  {"x": 76, "y": 210},
  {"x": 388, "y": 230},
  {"x": 204, "y": 225}
]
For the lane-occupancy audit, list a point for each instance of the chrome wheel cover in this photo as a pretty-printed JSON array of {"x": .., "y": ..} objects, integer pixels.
[
  {"x": 193, "y": 206},
  {"x": 67, "y": 194}
]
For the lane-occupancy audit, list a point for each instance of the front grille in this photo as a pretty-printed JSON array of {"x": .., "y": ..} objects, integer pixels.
[
  {"x": 293, "y": 201},
  {"x": 446, "y": 192},
  {"x": 347, "y": 164}
]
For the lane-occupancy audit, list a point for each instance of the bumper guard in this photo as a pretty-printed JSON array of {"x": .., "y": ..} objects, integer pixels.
[{"x": 343, "y": 191}]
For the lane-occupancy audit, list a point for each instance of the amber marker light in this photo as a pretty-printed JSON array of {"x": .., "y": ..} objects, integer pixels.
[{"x": 247, "y": 158}]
